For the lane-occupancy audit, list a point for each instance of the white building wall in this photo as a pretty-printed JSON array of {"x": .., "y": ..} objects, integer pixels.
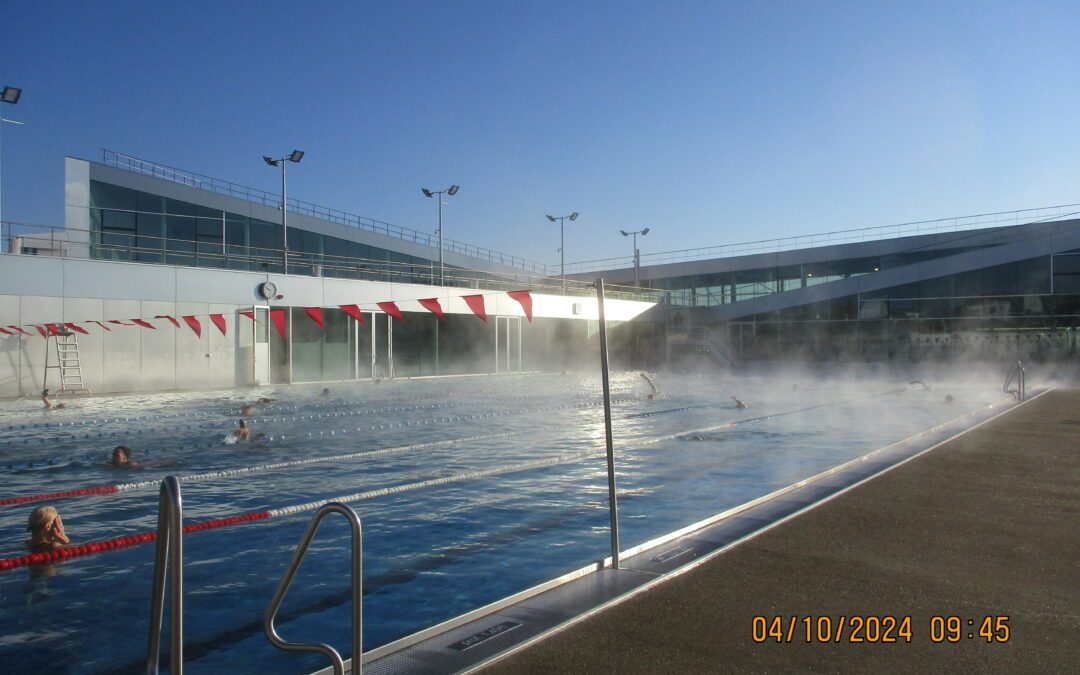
[{"x": 35, "y": 290}]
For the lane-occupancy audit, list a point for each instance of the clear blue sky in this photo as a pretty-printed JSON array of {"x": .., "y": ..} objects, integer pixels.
[{"x": 709, "y": 122}]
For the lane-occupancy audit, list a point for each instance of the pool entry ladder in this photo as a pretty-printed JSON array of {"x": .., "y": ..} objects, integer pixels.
[{"x": 67, "y": 362}]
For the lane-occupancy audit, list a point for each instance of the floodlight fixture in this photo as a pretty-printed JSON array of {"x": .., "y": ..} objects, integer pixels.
[
  {"x": 270, "y": 161},
  {"x": 625, "y": 233},
  {"x": 296, "y": 156},
  {"x": 551, "y": 218},
  {"x": 427, "y": 193},
  {"x": 452, "y": 190},
  {"x": 574, "y": 215},
  {"x": 645, "y": 232}
]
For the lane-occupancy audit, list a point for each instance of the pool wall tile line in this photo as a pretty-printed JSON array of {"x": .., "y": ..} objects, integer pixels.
[{"x": 580, "y": 594}]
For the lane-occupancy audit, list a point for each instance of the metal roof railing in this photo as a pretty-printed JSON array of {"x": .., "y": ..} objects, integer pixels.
[
  {"x": 880, "y": 232},
  {"x": 125, "y": 162}
]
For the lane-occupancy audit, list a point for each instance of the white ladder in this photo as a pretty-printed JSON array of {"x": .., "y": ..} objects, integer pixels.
[{"x": 67, "y": 362}]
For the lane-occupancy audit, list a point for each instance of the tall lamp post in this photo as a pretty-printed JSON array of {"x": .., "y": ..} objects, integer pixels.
[
  {"x": 296, "y": 156},
  {"x": 637, "y": 253},
  {"x": 450, "y": 191},
  {"x": 562, "y": 244},
  {"x": 8, "y": 95}
]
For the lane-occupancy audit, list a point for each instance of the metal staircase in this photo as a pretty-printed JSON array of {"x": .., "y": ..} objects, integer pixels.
[{"x": 67, "y": 362}]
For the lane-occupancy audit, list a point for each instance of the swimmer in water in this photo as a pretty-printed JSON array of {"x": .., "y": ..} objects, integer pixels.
[
  {"x": 265, "y": 401},
  {"x": 242, "y": 432},
  {"x": 247, "y": 410},
  {"x": 948, "y": 399},
  {"x": 739, "y": 404},
  {"x": 121, "y": 456},
  {"x": 925, "y": 386},
  {"x": 49, "y": 405},
  {"x": 46, "y": 530},
  {"x": 325, "y": 391},
  {"x": 651, "y": 386}
]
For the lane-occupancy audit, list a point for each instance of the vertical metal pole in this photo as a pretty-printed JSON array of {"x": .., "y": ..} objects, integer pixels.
[
  {"x": 285, "y": 243},
  {"x": 1, "y": 171},
  {"x": 562, "y": 252},
  {"x": 255, "y": 344},
  {"x": 288, "y": 344},
  {"x": 612, "y": 500},
  {"x": 373, "y": 356},
  {"x": 496, "y": 343},
  {"x": 440, "y": 194}
]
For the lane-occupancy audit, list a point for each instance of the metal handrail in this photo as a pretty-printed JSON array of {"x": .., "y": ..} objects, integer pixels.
[
  {"x": 1018, "y": 374},
  {"x": 187, "y": 252},
  {"x": 169, "y": 556},
  {"x": 199, "y": 181},
  {"x": 834, "y": 237},
  {"x": 357, "y": 593}
]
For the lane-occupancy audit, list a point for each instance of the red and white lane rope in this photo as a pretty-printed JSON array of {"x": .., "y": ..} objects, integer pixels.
[
  {"x": 146, "y": 537},
  {"x": 211, "y": 475}
]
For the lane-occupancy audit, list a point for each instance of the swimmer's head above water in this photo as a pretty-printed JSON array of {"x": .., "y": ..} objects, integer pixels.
[
  {"x": 121, "y": 455},
  {"x": 46, "y": 529},
  {"x": 326, "y": 391}
]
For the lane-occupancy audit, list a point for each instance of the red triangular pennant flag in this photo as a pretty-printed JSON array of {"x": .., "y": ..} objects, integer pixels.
[
  {"x": 102, "y": 325},
  {"x": 476, "y": 304},
  {"x": 5, "y": 331},
  {"x": 143, "y": 323},
  {"x": 41, "y": 330},
  {"x": 316, "y": 315},
  {"x": 433, "y": 306},
  {"x": 391, "y": 309},
  {"x": 219, "y": 321},
  {"x": 524, "y": 298},
  {"x": 277, "y": 316},
  {"x": 21, "y": 330},
  {"x": 52, "y": 328},
  {"x": 194, "y": 324},
  {"x": 120, "y": 323},
  {"x": 353, "y": 311},
  {"x": 77, "y": 328},
  {"x": 171, "y": 319}
]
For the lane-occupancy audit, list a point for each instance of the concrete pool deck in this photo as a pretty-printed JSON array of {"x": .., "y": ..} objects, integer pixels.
[{"x": 984, "y": 525}]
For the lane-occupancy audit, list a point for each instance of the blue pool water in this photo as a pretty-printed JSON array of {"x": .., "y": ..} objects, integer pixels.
[{"x": 430, "y": 553}]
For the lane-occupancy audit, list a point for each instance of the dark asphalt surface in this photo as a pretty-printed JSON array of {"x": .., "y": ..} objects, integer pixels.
[{"x": 986, "y": 525}]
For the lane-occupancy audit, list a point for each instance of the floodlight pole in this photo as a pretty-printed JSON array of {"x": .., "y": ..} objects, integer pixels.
[
  {"x": 438, "y": 194},
  {"x": 284, "y": 222},
  {"x": 295, "y": 156},
  {"x": 562, "y": 244},
  {"x": 637, "y": 254},
  {"x": 17, "y": 94}
]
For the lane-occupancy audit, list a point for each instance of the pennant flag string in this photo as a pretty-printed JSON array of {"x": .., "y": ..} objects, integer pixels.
[{"x": 475, "y": 302}]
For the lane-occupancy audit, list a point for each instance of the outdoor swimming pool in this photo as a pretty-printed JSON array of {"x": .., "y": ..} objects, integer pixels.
[{"x": 524, "y": 500}]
